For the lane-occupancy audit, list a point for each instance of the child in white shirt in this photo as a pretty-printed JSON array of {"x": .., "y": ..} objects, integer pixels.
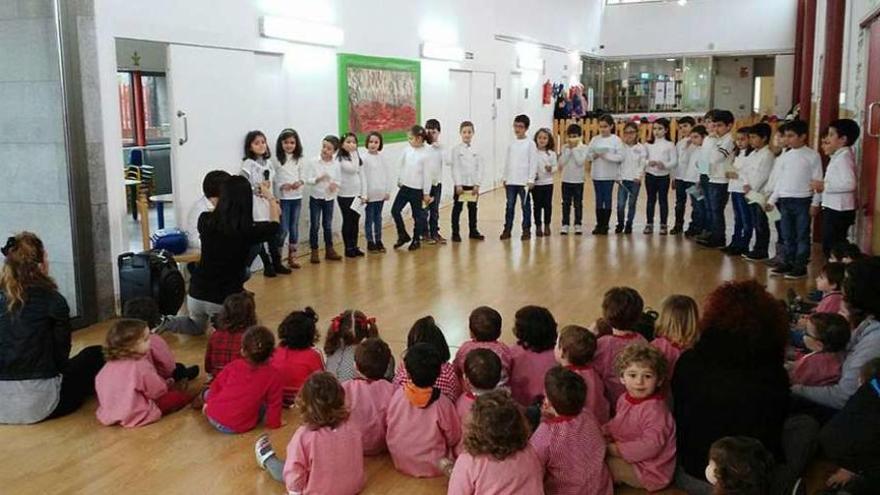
[
  {"x": 436, "y": 161},
  {"x": 661, "y": 161},
  {"x": 704, "y": 213},
  {"x": 414, "y": 190},
  {"x": 467, "y": 170},
  {"x": 839, "y": 188},
  {"x": 755, "y": 178},
  {"x": 520, "y": 169},
  {"x": 682, "y": 183},
  {"x": 720, "y": 159},
  {"x": 572, "y": 160},
  {"x": 352, "y": 189},
  {"x": 632, "y": 169},
  {"x": 377, "y": 175},
  {"x": 605, "y": 151},
  {"x": 323, "y": 174},
  {"x": 257, "y": 168},
  {"x": 289, "y": 185},
  {"x": 542, "y": 193},
  {"x": 742, "y": 220}
]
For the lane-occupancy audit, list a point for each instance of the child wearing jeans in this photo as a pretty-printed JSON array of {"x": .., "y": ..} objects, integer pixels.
[
  {"x": 605, "y": 153},
  {"x": 414, "y": 189},
  {"x": 572, "y": 163},
  {"x": 641, "y": 448},
  {"x": 621, "y": 309},
  {"x": 425, "y": 330},
  {"x": 484, "y": 324},
  {"x": 324, "y": 175},
  {"x": 799, "y": 174},
  {"x": 129, "y": 389},
  {"x": 423, "y": 427},
  {"x": 378, "y": 177},
  {"x": 542, "y": 193},
  {"x": 632, "y": 170},
  {"x": 520, "y": 169},
  {"x": 661, "y": 161},
  {"x": 683, "y": 176},
  {"x": 368, "y": 395},
  {"x": 690, "y": 177},
  {"x": 739, "y": 465},
  {"x": 720, "y": 157},
  {"x": 575, "y": 351},
  {"x": 533, "y": 354},
  {"x": 248, "y": 389},
  {"x": 569, "y": 440},
  {"x": 289, "y": 185},
  {"x": 296, "y": 357},
  {"x": 467, "y": 173},
  {"x": 497, "y": 457},
  {"x": 742, "y": 219},
  {"x": 826, "y": 337},
  {"x": 224, "y": 345},
  {"x": 324, "y": 455}
]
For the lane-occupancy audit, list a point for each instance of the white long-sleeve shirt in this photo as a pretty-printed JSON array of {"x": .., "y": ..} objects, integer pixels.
[
  {"x": 605, "y": 166},
  {"x": 545, "y": 159},
  {"x": 720, "y": 157},
  {"x": 661, "y": 150},
  {"x": 684, "y": 150},
  {"x": 467, "y": 165},
  {"x": 757, "y": 171},
  {"x": 521, "y": 163},
  {"x": 705, "y": 152},
  {"x": 255, "y": 172},
  {"x": 436, "y": 160},
  {"x": 572, "y": 162},
  {"x": 377, "y": 176},
  {"x": 352, "y": 183},
  {"x": 689, "y": 171},
  {"x": 192, "y": 221},
  {"x": 315, "y": 177},
  {"x": 290, "y": 172},
  {"x": 740, "y": 162},
  {"x": 840, "y": 181},
  {"x": 797, "y": 168},
  {"x": 635, "y": 158},
  {"x": 413, "y": 165}
]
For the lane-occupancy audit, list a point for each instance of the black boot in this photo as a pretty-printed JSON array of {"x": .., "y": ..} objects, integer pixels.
[
  {"x": 606, "y": 218},
  {"x": 598, "y": 229},
  {"x": 268, "y": 267},
  {"x": 276, "y": 261}
]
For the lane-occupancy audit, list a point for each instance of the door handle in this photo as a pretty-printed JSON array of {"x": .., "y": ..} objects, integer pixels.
[
  {"x": 871, "y": 119},
  {"x": 185, "y": 138}
]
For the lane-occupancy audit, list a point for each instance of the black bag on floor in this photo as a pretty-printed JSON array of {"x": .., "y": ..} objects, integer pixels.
[{"x": 152, "y": 274}]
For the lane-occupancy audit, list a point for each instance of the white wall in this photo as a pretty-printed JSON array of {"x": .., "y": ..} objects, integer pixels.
[
  {"x": 701, "y": 26},
  {"x": 393, "y": 28}
]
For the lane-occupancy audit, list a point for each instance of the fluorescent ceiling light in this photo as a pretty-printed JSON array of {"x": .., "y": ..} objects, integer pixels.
[
  {"x": 300, "y": 31},
  {"x": 670, "y": 60},
  {"x": 530, "y": 63},
  {"x": 682, "y": 2},
  {"x": 439, "y": 51}
]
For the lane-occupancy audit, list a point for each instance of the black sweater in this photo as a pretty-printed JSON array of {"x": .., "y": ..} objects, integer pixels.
[
  {"x": 221, "y": 270},
  {"x": 35, "y": 339},
  {"x": 713, "y": 400},
  {"x": 852, "y": 438}
]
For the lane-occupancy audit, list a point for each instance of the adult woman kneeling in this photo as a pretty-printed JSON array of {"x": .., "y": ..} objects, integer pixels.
[{"x": 38, "y": 380}]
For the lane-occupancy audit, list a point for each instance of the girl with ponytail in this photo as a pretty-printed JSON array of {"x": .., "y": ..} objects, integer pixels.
[{"x": 347, "y": 330}]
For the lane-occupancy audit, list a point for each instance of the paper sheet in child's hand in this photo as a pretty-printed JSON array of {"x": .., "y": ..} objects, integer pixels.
[
  {"x": 774, "y": 216},
  {"x": 358, "y": 206},
  {"x": 695, "y": 192},
  {"x": 599, "y": 150},
  {"x": 703, "y": 167},
  {"x": 467, "y": 197},
  {"x": 756, "y": 197}
]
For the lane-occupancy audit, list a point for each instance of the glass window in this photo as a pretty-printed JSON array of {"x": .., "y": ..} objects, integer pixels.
[
  {"x": 592, "y": 82},
  {"x": 126, "y": 108},
  {"x": 614, "y": 95},
  {"x": 696, "y": 93},
  {"x": 654, "y": 85},
  {"x": 158, "y": 124}
]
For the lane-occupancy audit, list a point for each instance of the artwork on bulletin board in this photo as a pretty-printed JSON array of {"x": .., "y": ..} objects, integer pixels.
[{"x": 378, "y": 94}]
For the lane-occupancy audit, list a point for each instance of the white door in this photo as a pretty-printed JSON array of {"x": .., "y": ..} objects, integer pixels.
[
  {"x": 216, "y": 97},
  {"x": 475, "y": 101}
]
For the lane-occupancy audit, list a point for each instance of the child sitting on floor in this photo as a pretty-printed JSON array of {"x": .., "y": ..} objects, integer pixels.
[
  {"x": 482, "y": 374},
  {"x": 829, "y": 283},
  {"x": 146, "y": 310},
  {"x": 485, "y": 330},
  {"x": 425, "y": 330},
  {"x": 368, "y": 395},
  {"x": 535, "y": 331},
  {"x": 497, "y": 458},
  {"x": 826, "y": 337},
  {"x": 739, "y": 466},
  {"x": 247, "y": 390},
  {"x": 423, "y": 427},
  {"x": 296, "y": 357},
  {"x": 130, "y": 390},
  {"x": 676, "y": 329},
  {"x": 641, "y": 448},
  {"x": 574, "y": 351},
  {"x": 621, "y": 310},
  {"x": 324, "y": 455},
  {"x": 347, "y": 330},
  {"x": 569, "y": 440},
  {"x": 224, "y": 345}
]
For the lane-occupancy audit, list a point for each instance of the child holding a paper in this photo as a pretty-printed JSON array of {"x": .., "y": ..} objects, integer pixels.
[
  {"x": 467, "y": 169},
  {"x": 690, "y": 182},
  {"x": 755, "y": 177},
  {"x": 606, "y": 154},
  {"x": 632, "y": 169},
  {"x": 742, "y": 220},
  {"x": 709, "y": 142},
  {"x": 720, "y": 159},
  {"x": 682, "y": 182}
]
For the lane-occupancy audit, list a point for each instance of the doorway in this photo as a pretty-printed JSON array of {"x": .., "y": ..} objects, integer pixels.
[
  {"x": 475, "y": 101},
  {"x": 868, "y": 226}
]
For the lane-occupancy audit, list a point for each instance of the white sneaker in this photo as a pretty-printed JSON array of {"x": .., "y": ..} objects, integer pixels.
[
  {"x": 564, "y": 230},
  {"x": 263, "y": 450},
  {"x": 578, "y": 230}
]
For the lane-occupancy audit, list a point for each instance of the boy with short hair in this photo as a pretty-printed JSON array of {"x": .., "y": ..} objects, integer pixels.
[
  {"x": 839, "y": 187},
  {"x": 435, "y": 171},
  {"x": 467, "y": 170},
  {"x": 575, "y": 350},
  {"x": 705, "y": 152},
  {"x": 720, "y": 158},
  {"x": 691, "y": 174},
  {"x": 682, "y": 182},
  {"x": 482, "y": 374},
  {"x": 520, "y": 169},
  {"x": 800, "y": 171},
  {"x": 368, "y": 395},
  {"x": 755, "y": 178},
  {"x": 572, "y": 163},
  {"x": 484, "y": 326}
]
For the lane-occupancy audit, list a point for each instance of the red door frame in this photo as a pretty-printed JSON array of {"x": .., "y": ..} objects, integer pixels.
[{"x": 870, "y": 145}]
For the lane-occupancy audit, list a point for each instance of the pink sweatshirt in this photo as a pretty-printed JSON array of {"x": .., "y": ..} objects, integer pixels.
[
  {"x": 672, "y": 353},
  {"x": 572, "y": 452},
  {"x": 520, "y": 473},
  {"x": 161, "y": 357},
  {"x": 326, "y": 460},
  {"x": 596, "y": 401},
  {"x": 644, "y": 431},
  {"x": 368, "y": 402},
  {"x": 816, "y": 369},
  {"x": 607, "y": 349},
  {"x": 498, "y": 347},
  {"x": 419, "y": 437},
  {"x": 830, "y": 303},
  {"x": 127, "y": 389},
  {"x": 527, "y": 373}
]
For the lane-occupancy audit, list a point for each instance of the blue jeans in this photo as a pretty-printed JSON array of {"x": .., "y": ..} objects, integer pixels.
[
  {"x": 627, "y": 195},
  {"x": 522, "y": 193},
  {"x": 320, "y": 215},
  {"x": 657, "y": 187},
  {"x": 412, "y": 197},
  {"x": 717, "y": 203},
  {"x": 290, "y": 209},
  {"x": 681, "y": 197},
  {"x": 604, "y": 190},
  {"x": 762, "y": 229},
  {"x": 373, "y": 222},
  {"x": 742, "y": 221},
  {"x": 434, "y": 210},
  {"x": 795, "y": 229}
]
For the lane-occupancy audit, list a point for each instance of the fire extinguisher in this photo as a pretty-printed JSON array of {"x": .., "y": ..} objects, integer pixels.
[{"x": 548, "y": 92}]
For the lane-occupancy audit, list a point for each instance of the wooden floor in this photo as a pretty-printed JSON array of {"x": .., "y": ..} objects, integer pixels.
[{"x": 182, "y": 454}]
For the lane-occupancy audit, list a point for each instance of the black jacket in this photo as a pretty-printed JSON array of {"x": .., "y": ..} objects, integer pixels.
[
  {"x": 34, "y": 340},
  {"x": 852, "y": 438}
]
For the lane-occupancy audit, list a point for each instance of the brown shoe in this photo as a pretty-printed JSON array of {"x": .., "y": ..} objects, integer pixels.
[
  {"x": 505, "y": 235},
  {"x": 291, "y": 259},
  {"x": 539, "y": 232},
  {"x": 440, "y": 239},
  {"x": 546, "y": 230},
  {"x": 526, "y": 236},
  {"x": 316, "y": 258},
  {"x": 331, "y": 254}
]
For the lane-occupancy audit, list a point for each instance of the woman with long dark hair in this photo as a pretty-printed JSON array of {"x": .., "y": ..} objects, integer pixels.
[
  {"x": 228, "y": 234},
  {"x": 38, "y": 379}
]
